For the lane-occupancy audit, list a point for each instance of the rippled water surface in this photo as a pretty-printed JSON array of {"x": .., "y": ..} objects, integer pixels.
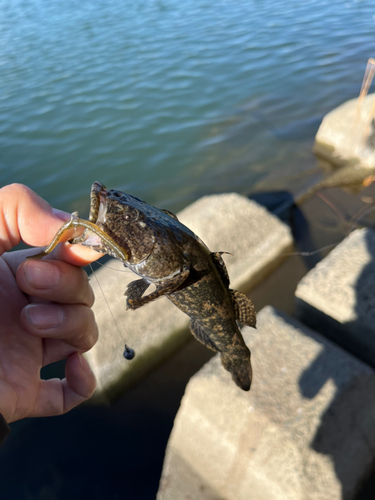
[{"x": 171, "y": 100}]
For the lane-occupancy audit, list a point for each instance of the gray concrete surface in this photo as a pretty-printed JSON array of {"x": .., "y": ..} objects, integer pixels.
[
  {"x": 305, "y": 431},
  {"x": 337, "y": 297},
  {"x": 345, "y": 135},
  {"x": 228, "y": 222}
]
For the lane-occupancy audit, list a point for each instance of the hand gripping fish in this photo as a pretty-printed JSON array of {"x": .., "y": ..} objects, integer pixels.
[{"x": 161, "y": 251}]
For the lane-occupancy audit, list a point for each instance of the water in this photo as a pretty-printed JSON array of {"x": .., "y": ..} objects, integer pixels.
[{"x": 171, "y": 100}]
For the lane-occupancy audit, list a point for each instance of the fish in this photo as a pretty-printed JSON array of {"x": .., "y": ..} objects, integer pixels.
[{"x": 163, "y": 252}]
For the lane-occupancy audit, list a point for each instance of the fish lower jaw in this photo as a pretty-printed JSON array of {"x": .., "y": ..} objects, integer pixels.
[
  {"x": 90, "y": 240},
  {"x": 139, "y": 269},
  {"x": 165, "y": 278}
]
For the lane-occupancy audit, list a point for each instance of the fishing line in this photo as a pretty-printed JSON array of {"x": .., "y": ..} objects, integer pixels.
[
  {"x": 313, "y": 252},
  {"x": 351, "y": 229},
  {"x": 129, "y": 353},
  {"x": 112, "y": 268},
  {"x": 369, "y": 210}
]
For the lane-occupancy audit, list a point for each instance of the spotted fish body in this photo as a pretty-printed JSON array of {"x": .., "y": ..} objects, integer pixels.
[
  {"x": 214, "y": 310},
  {"x": 164, "y": 252}
]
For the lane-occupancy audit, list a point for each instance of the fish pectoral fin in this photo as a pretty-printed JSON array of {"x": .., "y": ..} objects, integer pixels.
[
  {"x": 244, "y": 308},
  {"x": 171, "y": 214},
  {"x": 200, "y": 334},
  {"x": 136, "y": 288},
  {"x": 167, "y": 287}
]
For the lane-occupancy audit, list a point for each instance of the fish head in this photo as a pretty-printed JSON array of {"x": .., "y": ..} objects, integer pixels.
[{"x": 125, "y": 219}]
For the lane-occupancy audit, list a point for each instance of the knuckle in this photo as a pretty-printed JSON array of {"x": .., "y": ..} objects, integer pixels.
[
  {"x": 75, "y": 287},
  {"x": 16, "y": 188},
  {"x": 82, "y": 288},
  {"x": 89, "y": 330},
  {"x": 88, "y": 296}
]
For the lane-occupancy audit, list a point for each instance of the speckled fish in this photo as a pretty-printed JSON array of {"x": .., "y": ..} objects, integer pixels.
[{"x": 161, "y": 251}]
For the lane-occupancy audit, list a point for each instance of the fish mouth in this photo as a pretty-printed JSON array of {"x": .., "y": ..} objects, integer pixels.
[
  {"x": 98, "y": 200},
  {"x": 97, "y": 216},
  {"x": 102, "y": 212}
]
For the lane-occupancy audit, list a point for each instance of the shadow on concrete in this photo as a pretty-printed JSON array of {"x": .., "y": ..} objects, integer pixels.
[
  {"x": 346, "y": 430},
  {"x": 316, "y": 230},
  {"x": 277, "y": 202},
  {"x": 281, "y": 204}
]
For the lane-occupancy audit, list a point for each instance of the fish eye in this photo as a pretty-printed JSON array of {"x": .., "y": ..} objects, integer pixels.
[{"x": 129, "y": 213}]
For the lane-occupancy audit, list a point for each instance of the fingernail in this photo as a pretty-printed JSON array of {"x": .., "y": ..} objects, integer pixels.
[
  {"x": 42, "y": 275},
  {"x": 45, "y": 316}
]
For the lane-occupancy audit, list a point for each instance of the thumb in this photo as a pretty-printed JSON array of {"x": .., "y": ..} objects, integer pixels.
[{"x": 26, "y": 216}]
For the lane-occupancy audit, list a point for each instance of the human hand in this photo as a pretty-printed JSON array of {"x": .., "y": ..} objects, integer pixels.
[{"x": 45, "y": 311}]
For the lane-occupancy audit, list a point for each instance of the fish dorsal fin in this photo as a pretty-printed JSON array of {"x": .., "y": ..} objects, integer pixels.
[
  {"x": 245, "y": 311},
  {"x": 220, "y": 266},
  {"x": 171, "y": 214}
]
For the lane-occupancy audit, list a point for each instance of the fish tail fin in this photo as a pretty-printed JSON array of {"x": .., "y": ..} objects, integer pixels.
[
  {"x": 239, "y": 366},
  {"x": 242, "y": 376}
]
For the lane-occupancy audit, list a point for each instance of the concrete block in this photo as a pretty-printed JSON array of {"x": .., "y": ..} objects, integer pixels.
[
  {"x": 305, "y": 431},
  {"x": 232, "y": 223},
  {"x": 337, "y": 297},
  {"x": 346, "y": 135}
]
